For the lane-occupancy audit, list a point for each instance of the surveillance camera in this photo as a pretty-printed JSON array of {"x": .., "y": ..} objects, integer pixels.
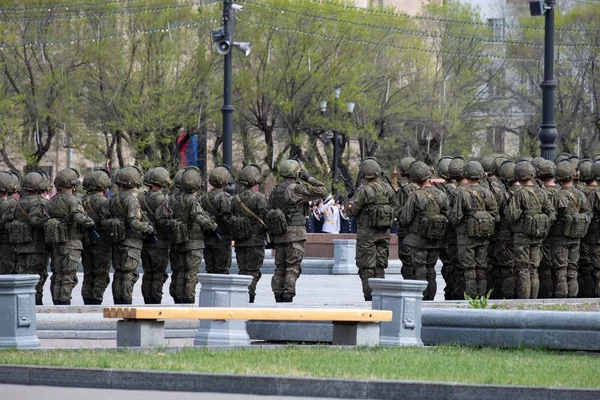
[{"x": 237, "y": 7}]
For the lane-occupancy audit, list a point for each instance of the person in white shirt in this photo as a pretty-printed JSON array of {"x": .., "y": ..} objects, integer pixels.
[{"x": 331, "y": 216}]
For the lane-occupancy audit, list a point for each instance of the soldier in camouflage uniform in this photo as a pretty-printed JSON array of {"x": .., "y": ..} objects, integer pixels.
[
  {"x": 9, "y": 185},
  {"x": 292, "y": 196},
  {"x": 572, "y": 221},
  {"x": 590, "y": 190},
  {"x": 173, "y": 198},
  {"x": 455, "y": 173},
  {"x": 405, "y": 189},
  {"x": 425, "y": 214},
  {"x": 373, "y": 205},
  {"x": 188, "y": 211},
  {"x": 27, "y": 229},
  {"x": 526, "y": 211},
  {"x": 503, "y": 268},
  {"x": 474, "y": 206},
  {"x": 253, "y": 205},
  {"x": 155, "y": 251},
  {"x": 217, "y": 202},
  {"x": 127, "y": 253},
  {"x": 64, "y": 230},
  {"x": 593, "y": 237},
  {"x": 546, "y": 171},
  {"x": 97, "y": 253}
]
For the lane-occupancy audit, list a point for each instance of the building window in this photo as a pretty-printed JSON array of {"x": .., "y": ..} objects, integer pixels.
[
  {"x": 498, "y": 27},
  {"x": 495, "y": 139}
]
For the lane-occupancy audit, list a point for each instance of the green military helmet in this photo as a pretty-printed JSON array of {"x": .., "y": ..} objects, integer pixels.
[
  {"x": 565, "y": 171},
  {"x": 561, "y": 157},
  {"x": 473, "y": 170},
  {"x": 9, "y": 182},
  {"x": 507, "y": 171},
  {"x": 487, "y": 162},
  {"x": 35, "y": 181},
  {"x": 442, "y": 167},
  {"x": 289, "y": 168},
  {"x": 527, "y": 158},
  {"x": 129, "y": 177},
  {"x": 419, "y": 172},
  {"x": 405, "y": 165},
  {"x": 191, "y": 180},
  {"x": 96, "y": 180},
  {"x": 536, "y": 162},
  {"x": 524, "y": 171},
  {"x": 67, "y": 178},
  {"x": 585, "y": 170},
  {"x": 219, "y": 176},
  {"x": 596, "y": 170},
  {"x": 546, "y": 170},
  {"x": 250, "y": 175},
  {"x": 177, "y": 178},
  {"x": 574, "y": 160},
  {"x": 596, "y": 158},
  {"x": 456, "y": 168},
  {"x": 370, "y": 168},
  {"x": 158, "y": 176},
  {"x": 498, "y": 161}
]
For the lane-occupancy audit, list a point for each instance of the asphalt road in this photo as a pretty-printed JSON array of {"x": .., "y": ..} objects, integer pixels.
[{"x": 60, "y": 393}]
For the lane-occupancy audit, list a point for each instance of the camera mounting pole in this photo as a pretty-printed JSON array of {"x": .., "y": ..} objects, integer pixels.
[{"x": 227, "y": 109}]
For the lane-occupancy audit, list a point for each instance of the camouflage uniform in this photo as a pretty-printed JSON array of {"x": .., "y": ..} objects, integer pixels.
[
  {"x": 174, "y": 198},
  {"x": 546, "y": 170},
  {"x": 127, "y": 254},
  {"x": 405, "y": 189},
  {"x": 250, "y": 253},
  {"x": 217, "y": 202},
  {"x": 372, "y": 243},
  {"x": 292, "y": 197},
  {"x": 67, "y": 208},
  {"x": 188, "y": 210},
  {"x": 472, "y": 251},
  {"x": 449, "y": 255},
  {"x": 592, "y": 239},
  {"x": 422, "y": 205},
  {"x": 529, "y": 201},
  {"x": 585, "y": 276},
  {"x": 9, "y": 184}
]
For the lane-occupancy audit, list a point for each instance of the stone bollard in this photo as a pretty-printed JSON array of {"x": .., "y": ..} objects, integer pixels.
[
  {"x": 344, "y": 253},
  {"x": 17, "y": 311},
  {"x": 223, "y": 291},
  {"x": 404, "y": 299}
]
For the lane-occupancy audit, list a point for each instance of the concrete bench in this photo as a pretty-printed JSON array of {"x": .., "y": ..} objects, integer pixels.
[{"x": 144, "y": 326}]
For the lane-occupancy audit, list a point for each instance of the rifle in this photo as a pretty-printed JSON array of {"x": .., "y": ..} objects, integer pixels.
[
  {"x": 93, "y": 235},
  {"x": 401, "y": 186},
  {"x": 349, "y": 186},
  {"x": 445, "y": 190}
]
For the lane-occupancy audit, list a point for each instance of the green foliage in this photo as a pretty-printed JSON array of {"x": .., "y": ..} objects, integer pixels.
[{"x": 479, "y": 302}]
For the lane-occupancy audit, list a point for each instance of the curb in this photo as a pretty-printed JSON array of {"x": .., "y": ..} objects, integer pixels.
[{"x": 278, "y": 385}]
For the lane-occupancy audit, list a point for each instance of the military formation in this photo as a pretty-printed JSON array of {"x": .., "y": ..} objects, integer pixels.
[{"x": 508, "y": 229}]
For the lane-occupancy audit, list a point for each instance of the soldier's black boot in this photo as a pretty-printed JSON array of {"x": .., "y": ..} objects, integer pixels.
[
  {"x": 156, "y": 300},
  {"x": 95, "y": 302},
  {"x": 368, "y": 297},
  {"x": 278, "y": 298},
  {"x": 123, "y": 301},
  {"x": 251, "y": 298},
  {"x": 190, "y": 300},
  {"x": 88, "y": 301},
  {"x": 117, "y": 300},
  {"x": 38, "y": 300},
  {"x": 66, "y": 302},
  {"x": 176, "y": 300},
  {"x": 148, "y": 300},
  {"x": 286, "y": 298}
]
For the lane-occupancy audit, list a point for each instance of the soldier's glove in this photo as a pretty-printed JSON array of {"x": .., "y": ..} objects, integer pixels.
[{"x": 305, "y": 176}]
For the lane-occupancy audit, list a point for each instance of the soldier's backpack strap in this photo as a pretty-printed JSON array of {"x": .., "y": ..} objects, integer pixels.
[
  {"x": 477, "y": 196},
  {"x": 239, "y": 200},
  {"x": 571, "y": 195},
  {"x": 212, "y": 206},
  {"x": 535, "y": 196},
  {"x": 433, "y": 200},
  {"x": 89, "y": 208},
  {"x": 25, "y": 213}
]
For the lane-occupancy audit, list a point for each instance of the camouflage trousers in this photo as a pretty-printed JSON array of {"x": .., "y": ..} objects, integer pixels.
[
  {"x": 503, "y": 268},
  {"x": 372, "y": 260},
  {"x": 185, "y": 276},
  {"x": 96, "y": 260},
  {"x": 585, "y": 278},
  {"x": 449, "y": 258},
  {"x": 8, "y": 259},
  {"x": 472, "y": 269},
  {"x": 250, "y": 260},
  {"x": 126, "y": 261},
  {"x": 546, "y": 290},
  {"x": 564, "y": 269},
  {"x": 594, "y": 252},
  {"x": 404, "y": 257},
  {"x": 65, "y": 262},
  {"x": 288, "y": 260},
  {"x": 492, "y": 277},
  {"x": 34, "y": 264},
  {"x": 422, "y": 262},
  {"x": 527, "y": 262},
  {"x": 154, "y": 262},
  {"x": 217, "y": 257}
]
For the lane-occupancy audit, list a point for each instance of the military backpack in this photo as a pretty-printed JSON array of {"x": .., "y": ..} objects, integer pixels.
[
  {"x": 536, "y": 225},
  {"x": 381, "y": 213},
  {"x": 56, "y": 231},
  {"x": 576, "y": 225},
  {"x": 480, "y": 224},
  {"x": 435, "y": 225},
  {"x": 19, "y": 232}
]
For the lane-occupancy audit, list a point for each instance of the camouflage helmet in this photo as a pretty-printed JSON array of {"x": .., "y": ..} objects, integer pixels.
[
  {"x": 473, "y": 170},
  {"x": 405, "y": 165},
  {"x": 370, "y": 168},
  {"x": 524, "y": 171},
  {"x": 67, "y": 178},
  {"x": 98, "y": 179},
  {"x": 596, "y": 170},
  {"x": 158, "y": 176},
  {"x": 36, "y": 181},
  {"x": 561, "y": 157},
  {"x": 537, "y": 161},
  {"x": 456, "y": 168},
  {"x": 419, "y": 172},
  {"x": 9, "y": 182},
  {"x": 585, "y": 170},
  {"x": 498, "y": 161},
  {"x": 219, "y": 176},
  {"x": 527, "y": 158},
  {"x": 546, "y": 170},
  {"x": 487, "y": 162},
  {"x": 177, "y": 178},
  {"x": 507, "y": 171},
  {"x": 250, "y": 175},
  {"x": 191, "y": 180},
  {"x": 596, "y": 158},
  {"x": 574, "y": 161},
  {"x": 129, "y": 177},
  {"x": 442, "y": 167},
  {"x": 289, "y": 168},
  {"x": 565, "y": 171}
]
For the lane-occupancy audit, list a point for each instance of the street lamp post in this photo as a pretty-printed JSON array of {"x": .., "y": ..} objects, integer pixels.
[{"x": 548, "y": 132}]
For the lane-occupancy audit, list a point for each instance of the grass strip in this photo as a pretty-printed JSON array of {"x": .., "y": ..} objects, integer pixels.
[{"x": 447, "y": 364}]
